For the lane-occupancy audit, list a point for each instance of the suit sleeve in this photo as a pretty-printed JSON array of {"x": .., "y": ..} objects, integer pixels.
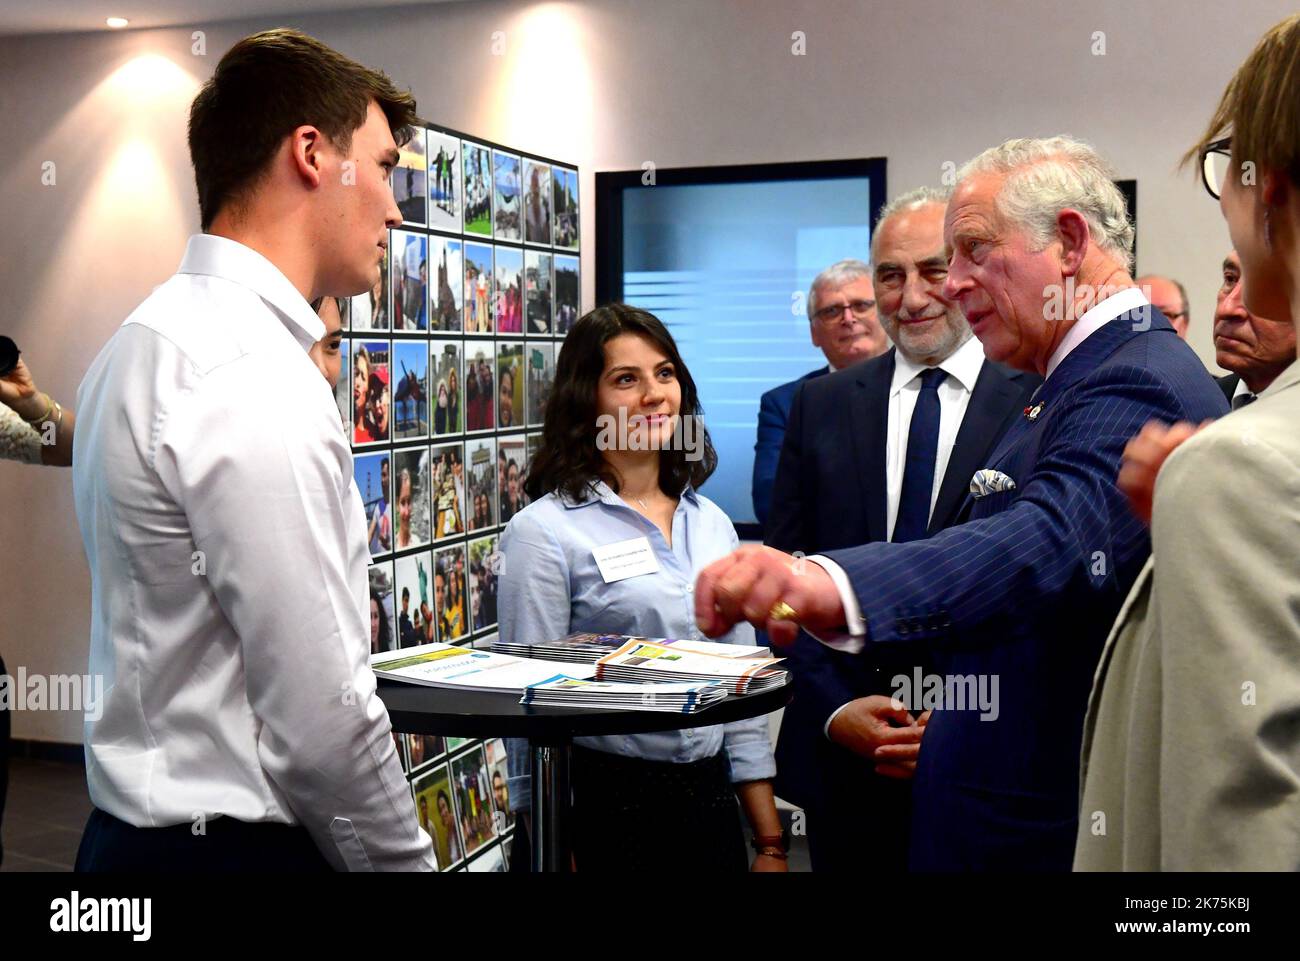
[
  {"x": 820, "y": 686},
  {"x": 1227, "y": 519},
  {"x": 1069, "y": 537},
  {"x": 767, "y": 451},
  {"x": 793, "y": 490}
]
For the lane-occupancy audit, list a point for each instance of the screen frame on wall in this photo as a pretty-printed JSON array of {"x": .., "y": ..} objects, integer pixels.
[{"x": 610, "y": 186}]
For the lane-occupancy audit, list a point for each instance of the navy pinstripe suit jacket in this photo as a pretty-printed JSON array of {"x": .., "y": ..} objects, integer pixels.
[{"x": 1026, "y": 590}]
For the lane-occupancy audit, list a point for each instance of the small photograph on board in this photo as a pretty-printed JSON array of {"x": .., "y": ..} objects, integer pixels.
[
  {"x": 484, "y": 563},
  {"x": 510, "y": 385},
  {"x": 437, "y": 814},
  {"x": 478, "y": 188},
  {"x": 416, "y": 620},
  {"x": 491, "y": 861},
  {"x": 373, "y": 473},
  {"x": 449, "y": 593},
  {"x": 481, "y": 486},
  {"x": 447, "y": 291},
  {"x": 473, "y": 800},
  {"x": 538, "y": 295},
  {"x": 382, "y": 635},
  {"x": 566, "y": 292},
  {"x": 411, "y": 497},
  {"x": 495, "y": 752},
  {"x": 369, "y": 311},
  {"x": 505, "y": 195},
  {"x": 565, "y": 184},
  {"x": 480, "y": 387},
  {"x": 448, "y": 473},
  {"x": 445, "y": 175},
  {"x": 478, "y": 288},
  {"x": 410, "y": 411},
  {"x": 448, "y": 399},
  {"x": 537, "y": 202},
  {"x": 423, "y": 749},
  {"x": 512, "y": 467},
  {"x": 409, "y": 179},
  {"x": 410, "y": 280},
  {"x": 508, "y": 281},
  {"x": 541, "y": 375},
  {"x": 370, "y": 391}
]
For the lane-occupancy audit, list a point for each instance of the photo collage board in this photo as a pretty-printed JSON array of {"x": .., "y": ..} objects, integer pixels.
[{"x": 447, "y": 368}]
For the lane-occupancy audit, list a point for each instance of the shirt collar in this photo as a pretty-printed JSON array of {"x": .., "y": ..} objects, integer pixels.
[
  {"x": 602, "y": 493},
  {"x": 1130, "y": 298},
  {"x": 963, "y": 365},
  {"x": 214, "y": 256},
  {"x": 1242, "y": 389}
]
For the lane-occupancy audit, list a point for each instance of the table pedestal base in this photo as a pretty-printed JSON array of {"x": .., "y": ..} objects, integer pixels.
[{"x": 552, "y": 840}]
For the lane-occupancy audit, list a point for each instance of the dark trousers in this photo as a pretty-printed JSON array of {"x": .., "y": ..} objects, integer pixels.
[
  {"x": 4, "y": 763},
  {"x": 109, "y": 844},
  {"x": 862, "y": 819},
  {"x": 632, "y": 815}
]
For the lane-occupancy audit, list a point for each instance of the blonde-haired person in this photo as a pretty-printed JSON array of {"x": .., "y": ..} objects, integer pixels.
[{"x": 1191, "y": 752}]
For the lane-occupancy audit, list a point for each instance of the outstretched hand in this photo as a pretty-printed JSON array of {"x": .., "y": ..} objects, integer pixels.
[{"x": 744, "y": 586}]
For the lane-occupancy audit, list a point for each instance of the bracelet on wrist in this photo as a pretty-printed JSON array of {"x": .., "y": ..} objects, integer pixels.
[{"x": 49, "y": 409}]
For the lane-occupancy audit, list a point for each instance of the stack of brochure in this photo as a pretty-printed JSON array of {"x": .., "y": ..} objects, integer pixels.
[
  {"x": 464, "y": 668},
  {"x": 561, "y": 691},
  {"x": 642, "y": 660},
  {"x": 589, "y": 648}
]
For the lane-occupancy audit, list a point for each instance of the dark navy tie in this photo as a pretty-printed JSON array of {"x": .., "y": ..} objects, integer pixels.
[{"x": 918, "y": 472}]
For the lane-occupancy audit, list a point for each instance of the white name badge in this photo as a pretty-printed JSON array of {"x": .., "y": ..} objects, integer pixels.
[{"x": 624, "y": 559}]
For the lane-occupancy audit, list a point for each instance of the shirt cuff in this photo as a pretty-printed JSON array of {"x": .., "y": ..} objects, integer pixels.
[
  {"x": 854, "y": 641},
  {"x": 826, "y": 728}
]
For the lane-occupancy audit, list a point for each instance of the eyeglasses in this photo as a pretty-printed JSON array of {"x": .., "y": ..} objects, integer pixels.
[
  {"x": 859, "y": 309},
  {"x": 1216, "y": 158}
]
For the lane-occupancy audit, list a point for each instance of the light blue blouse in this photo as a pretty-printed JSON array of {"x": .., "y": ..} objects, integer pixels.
[{"x": 550, "y": 586}]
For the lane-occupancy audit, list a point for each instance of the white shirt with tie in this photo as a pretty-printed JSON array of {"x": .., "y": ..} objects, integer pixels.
[{"x": 228, "y": 558}]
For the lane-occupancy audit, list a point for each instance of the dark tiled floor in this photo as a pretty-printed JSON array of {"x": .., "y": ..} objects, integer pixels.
[
  {"x": 48, "y": 805},
  {"x": 45, "y": 812}
]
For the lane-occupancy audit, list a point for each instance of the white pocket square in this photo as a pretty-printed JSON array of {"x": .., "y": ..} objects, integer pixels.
[{"x": 988, "y": 481}]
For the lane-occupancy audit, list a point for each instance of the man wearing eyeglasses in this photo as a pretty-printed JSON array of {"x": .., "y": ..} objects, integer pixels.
[
  {"x": 843, "y": 325},
  {"x": 1169, "y": 297}
]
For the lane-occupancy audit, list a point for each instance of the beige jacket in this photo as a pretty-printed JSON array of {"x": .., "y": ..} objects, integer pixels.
[{"x": 1191, "y": 744}]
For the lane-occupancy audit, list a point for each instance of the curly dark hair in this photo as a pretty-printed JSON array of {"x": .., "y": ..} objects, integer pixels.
[{"x": 568, "y": 460}]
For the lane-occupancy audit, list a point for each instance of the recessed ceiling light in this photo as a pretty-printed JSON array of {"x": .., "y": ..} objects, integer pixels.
[{"x": 117, "y": 23}]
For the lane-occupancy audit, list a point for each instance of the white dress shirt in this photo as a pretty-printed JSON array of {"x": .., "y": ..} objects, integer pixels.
[
  {"x": 1092, "y": 321},
  {"x": 963, "y": 368},
  {"x": 228, "y": 555}
]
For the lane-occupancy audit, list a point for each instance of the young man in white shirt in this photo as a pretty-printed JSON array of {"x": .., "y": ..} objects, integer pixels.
[{"x": 240, "y": 728}]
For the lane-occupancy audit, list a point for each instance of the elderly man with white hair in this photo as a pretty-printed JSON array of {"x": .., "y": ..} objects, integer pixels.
[
  {"x": 843, "y": 324},
  {"x": 1012, "y": 606}
]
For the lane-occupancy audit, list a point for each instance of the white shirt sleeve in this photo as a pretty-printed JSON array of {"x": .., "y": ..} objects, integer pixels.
[
  {"x": 854, "y": 641},
  {"x": 263, "y": 475}
]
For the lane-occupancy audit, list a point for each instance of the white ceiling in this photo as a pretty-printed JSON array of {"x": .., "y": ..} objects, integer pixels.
[{"x": 72, "y": 16}]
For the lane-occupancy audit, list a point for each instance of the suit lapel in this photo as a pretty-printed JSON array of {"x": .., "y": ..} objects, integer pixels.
[
  {"x": 993, "y": 400},
  {"x": 870, "y": 416}
]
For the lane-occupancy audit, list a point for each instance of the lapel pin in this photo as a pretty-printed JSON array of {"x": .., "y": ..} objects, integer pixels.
[{"x": 1033, "y": 412}]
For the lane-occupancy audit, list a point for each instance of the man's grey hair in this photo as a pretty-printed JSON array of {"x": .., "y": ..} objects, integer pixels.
[
  {"x": 1047, "y": 175},
  {"x": 912, "y": 200},
  {"x": 837, "y": 275}
]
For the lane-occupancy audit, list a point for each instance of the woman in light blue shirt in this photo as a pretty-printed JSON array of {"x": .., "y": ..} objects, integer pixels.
[{"x": 622, "y": 453}]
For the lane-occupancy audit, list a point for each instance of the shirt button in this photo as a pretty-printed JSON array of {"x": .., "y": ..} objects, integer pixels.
[{"x": 690, "y": 588}]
